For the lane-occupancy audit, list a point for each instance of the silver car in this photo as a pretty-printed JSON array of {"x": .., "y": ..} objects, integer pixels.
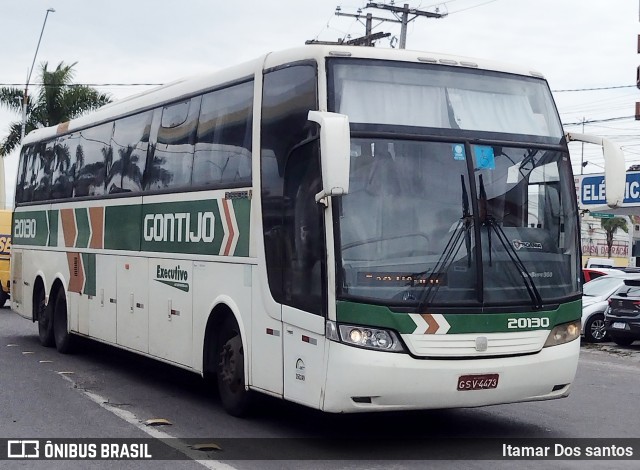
[{"x": 595, "y": 297}]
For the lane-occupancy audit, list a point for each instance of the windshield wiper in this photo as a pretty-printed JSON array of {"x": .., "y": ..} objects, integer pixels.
[
  {"x": 492, "y": 224},
  {"x": 465, "y": 223}
]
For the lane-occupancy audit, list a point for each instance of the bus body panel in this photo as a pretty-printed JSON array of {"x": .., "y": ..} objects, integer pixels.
[
  {"x": 102, "y": 307},
  {"x": 304, "y": 353},
  {"x": 267, "y": 335},
  {"x": 400, "y": 382}
]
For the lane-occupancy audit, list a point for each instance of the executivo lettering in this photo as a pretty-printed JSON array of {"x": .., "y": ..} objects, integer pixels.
[
  {"x": 177, "y": 227},
  {"x": 174, "y": 277}
]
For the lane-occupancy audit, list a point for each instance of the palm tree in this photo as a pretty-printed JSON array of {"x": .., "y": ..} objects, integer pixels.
[
  {"x": 57, "y": 100},
  {"x": 610, "y": 227}
]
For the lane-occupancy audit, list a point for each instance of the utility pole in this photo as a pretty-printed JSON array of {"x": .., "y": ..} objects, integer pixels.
[
  {"x": 366, "y": 40},
  {"x": 404, "y": 21},
  {"x": 369, "y": 37},
  {"x": 25, "y": 97},
  {"x": 582, "y": 153},
  {"x": 368, "y": 24}
]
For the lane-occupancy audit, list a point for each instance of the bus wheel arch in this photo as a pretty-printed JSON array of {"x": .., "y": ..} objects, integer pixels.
[{"x": 224, "y": 359}]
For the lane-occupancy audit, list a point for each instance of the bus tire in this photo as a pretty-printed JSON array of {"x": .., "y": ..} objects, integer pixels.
[
  {"x": 44, "y": 316},
  {"x": 64, "y": 339},
  {"x": 236, "y": 399},
  {"x": 3, "y": 297}
]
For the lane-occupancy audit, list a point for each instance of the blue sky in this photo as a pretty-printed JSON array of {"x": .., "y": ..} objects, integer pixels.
[{"x": 576, "y": 44}]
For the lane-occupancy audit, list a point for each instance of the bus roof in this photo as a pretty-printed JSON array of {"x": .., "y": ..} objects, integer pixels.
[{"x": 185, "y": 87}]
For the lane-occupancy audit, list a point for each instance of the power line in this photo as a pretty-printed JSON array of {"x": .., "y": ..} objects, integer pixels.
[
  {"x": 472, "y": 7},
  {"x": 579, "y": 123},
  {"x": 615, "y": 87}
]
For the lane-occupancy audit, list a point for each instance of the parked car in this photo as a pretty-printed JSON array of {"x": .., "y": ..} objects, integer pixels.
[
  {"x": 595, "y": 296},
  {"x": 622, "y": 317},
  {"x": 589, "y": 274}
]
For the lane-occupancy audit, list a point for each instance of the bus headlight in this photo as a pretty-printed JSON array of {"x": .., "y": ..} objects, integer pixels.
[
  {"x": 379, "y": 339},
  {"x": 563, "y": 334}
]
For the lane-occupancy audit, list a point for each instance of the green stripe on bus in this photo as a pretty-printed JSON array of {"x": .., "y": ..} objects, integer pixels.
[
  {"x": 189, "y": 227},
  {"x": 242, "y": 208},
  {"x": 122, "y": 227},
  {"x": 53, "y": 227},
  {"x": 374, "y": 315},
  {"x": 82, "y": 225},
  {"x": 30, "y": 228},
  {"x": 182, "y": 227},
  {"x": 89, "y": 264}
]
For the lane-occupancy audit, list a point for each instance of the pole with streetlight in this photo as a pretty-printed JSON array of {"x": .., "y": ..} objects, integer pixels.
[{"x": 26, "y": 87}]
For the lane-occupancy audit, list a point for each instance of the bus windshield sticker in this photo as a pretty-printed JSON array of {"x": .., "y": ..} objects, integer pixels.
[
  {"x": 458, "y": 151},
  {"x": 485, "y": 159}
]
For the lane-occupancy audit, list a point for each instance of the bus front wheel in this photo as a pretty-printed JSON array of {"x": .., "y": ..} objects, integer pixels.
[
  {"x": 43, "y": 315},
  {"x": 235, "y": 397},
  {"x": 64, "y": 340}
]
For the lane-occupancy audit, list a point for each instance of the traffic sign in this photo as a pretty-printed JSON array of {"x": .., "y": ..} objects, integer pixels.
[{"x": 601, "y": 215}]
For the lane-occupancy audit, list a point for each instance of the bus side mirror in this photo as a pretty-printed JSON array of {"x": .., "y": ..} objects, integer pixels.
[
  {"x": 614, "y": 167},
  {"x": 335, "y": 152}
]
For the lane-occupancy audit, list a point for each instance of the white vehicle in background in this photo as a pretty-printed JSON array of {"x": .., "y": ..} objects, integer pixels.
[
  {"x": 595, "y": 297},
  {"x": 599, "y": 263}
]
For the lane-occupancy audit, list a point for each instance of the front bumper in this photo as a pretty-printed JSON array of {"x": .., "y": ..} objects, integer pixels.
[{"x": 360, "y": 380}]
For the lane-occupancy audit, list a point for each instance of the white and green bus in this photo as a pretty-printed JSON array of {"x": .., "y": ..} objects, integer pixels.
[{"x": 353, "y": 229}]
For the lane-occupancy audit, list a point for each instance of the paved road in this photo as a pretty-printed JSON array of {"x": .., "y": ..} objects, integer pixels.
[{"x": 104, "y": 392}]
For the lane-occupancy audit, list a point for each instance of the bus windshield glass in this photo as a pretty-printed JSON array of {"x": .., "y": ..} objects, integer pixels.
[
  {"x": 450, "y": 221},
  {"x": 443, "y": 97}
]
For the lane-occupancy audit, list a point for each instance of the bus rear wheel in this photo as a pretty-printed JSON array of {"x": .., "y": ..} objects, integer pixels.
[
  {"x": 236, "y": 399},
  {"x": 3, "y": 297},
  {"x": 64, "y": 340},
  {"x": 43, "y": 315}
]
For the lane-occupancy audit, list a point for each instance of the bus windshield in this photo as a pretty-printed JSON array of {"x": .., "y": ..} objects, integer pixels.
[
  {"x": 422, "y": 95},
  {"x": 449, "y": 221}
]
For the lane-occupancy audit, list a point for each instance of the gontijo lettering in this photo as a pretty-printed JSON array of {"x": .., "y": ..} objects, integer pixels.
[{"x": 179, "y": 227}]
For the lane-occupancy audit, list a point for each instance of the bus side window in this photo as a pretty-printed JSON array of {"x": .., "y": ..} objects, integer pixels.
[
  {"x": 33, "y": 172},
  {"x": 93, "y": 156},
  {"x": 223, "y": 143},
  {"x": 172, "y": 160},
  {"x": 130, "y": 143},
  {"x": 63, "y": 166},
  {"x": 24, "y": 175}
]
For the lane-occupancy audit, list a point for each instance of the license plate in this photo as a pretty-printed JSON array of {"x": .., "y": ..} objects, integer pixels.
[
  {"x": 478, "y": 382},
  {"x": 619, "y": 325}
]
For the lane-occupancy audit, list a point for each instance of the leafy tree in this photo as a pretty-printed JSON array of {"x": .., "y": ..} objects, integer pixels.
[
  {"x": 57, "y": 100},
  {"x": 610, "y": 227}
]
